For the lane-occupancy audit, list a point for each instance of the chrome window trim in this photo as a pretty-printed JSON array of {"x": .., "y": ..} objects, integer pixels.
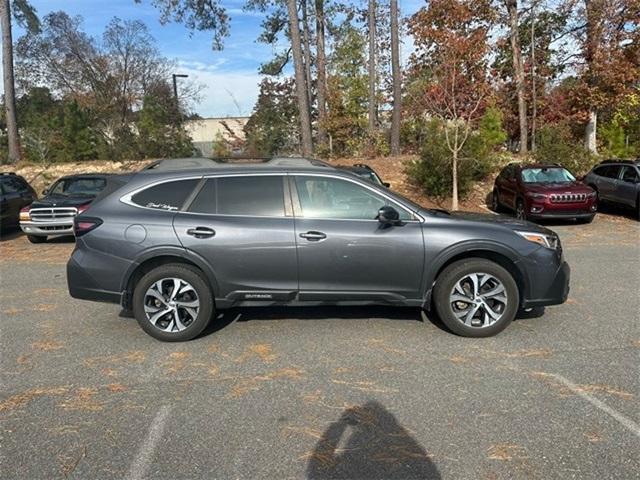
[{"x": 126, "y": 198}]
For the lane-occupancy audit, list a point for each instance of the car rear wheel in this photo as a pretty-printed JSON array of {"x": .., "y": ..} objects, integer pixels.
[
  {"x": 476, "y": 297},
  {"x": 36, "y": 239},
  {"x": 173, "y": 303}
]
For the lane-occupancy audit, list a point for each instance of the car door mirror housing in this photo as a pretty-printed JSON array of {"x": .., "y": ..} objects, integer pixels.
[{"x": 387, "y": 215}]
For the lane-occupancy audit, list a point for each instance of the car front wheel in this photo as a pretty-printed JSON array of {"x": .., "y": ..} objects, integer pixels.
[
  {"x": 521, "y": 212},
  {"x": 476, "y": 297},
  {"x": 173, "y": 303},
  {"x": 36, "y": 239}
]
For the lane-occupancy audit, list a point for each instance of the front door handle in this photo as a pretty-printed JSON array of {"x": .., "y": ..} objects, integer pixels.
[
  {"x": 201, "y": 232},
  {"x": 313, "y": 236}
]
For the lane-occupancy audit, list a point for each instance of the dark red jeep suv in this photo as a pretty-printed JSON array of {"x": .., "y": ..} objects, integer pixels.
[{"x": 543, "y": 191}]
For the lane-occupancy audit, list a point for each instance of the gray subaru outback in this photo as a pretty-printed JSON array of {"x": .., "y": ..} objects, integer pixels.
[{"x": 176, "y": 245}]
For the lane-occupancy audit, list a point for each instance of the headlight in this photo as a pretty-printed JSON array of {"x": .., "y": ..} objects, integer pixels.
[
  {"x": 536, "y": 196},
  {"x": 549, "y": 241},
  {"x": 592, "y": 194},
  {"x": 24, "y": 214}
]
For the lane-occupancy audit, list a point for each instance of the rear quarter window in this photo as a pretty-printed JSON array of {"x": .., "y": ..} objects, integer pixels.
[{"x": 165, "y": 196}]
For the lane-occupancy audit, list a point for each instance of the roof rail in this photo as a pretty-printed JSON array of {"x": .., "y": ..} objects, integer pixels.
[
  {"x": 362, "y": 165},
  {"x": 7, "y": 173},
  {"x": 612, "y": 160}
]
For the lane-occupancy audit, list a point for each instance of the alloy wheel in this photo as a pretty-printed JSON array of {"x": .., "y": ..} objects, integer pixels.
[
  {"x": 171, "y": 304},
  {"x": 478, "y": 300},
  {"x": 520, "y": 213}
]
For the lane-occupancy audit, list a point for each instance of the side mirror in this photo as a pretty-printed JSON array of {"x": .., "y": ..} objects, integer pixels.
[
  {"x": 386, "y": 184},
  {"x": 388, "y": 215},
  {"x": 45, "y": 192}
]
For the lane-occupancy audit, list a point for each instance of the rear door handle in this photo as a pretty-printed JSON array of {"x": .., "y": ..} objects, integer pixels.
[
  {"x": 313, "y": 235},
  {"x": 201, "y": 232}
]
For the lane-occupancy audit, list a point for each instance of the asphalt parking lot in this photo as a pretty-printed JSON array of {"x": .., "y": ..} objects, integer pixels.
[{"x": 324, "y": 393}]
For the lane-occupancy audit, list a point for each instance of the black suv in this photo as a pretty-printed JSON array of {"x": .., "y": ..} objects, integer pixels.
[
  {"x": 15, "y": 193},
  {"x": 174, "y": 246},
  {"x": 617, "y": 181},
  {"x": 53, "y": 214}
]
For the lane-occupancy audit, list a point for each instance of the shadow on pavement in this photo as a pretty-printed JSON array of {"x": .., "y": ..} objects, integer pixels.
[
  {"x": 224, "y": 318},
  {"x": 367, "y": 442}
]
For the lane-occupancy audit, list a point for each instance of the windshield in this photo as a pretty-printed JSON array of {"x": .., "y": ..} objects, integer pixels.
[
  {"x": 547, "y": 175},
  {"x": 78, "y": 186}
]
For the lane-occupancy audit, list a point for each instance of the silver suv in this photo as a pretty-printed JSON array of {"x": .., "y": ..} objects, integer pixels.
[
  {"x": 174, "y": 246},
  {"x": 617, "y": 181}
]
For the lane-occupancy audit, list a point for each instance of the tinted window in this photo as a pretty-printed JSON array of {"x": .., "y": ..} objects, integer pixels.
[
  {"x": 206, "y": 200},
  {"x": 322, "y": 197},
  {"x": 12, "y": 185},
  {"x": 256, "y": 196},
  {"x": 629, "y": 174},
  {"x": 610, "y": 171},
  {"x": 166, "y": 196},
  {"x": 259, "y": 196}
]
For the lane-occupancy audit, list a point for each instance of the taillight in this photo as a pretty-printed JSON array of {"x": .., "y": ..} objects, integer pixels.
[
  {"x": 24, "y": 214},
  {"x": 82, "y": 225},
  {"x": 82, "y": 208}
]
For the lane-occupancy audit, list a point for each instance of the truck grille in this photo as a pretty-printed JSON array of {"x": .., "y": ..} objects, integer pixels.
[
  {"x": 568, "y": 198},
  {"x": 53, "y": 214}
]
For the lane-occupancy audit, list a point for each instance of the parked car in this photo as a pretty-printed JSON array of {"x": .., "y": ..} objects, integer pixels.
[
  {"x": 53, "y": 214},
  {"x": 618, "y": 182},
  {"x": 15, "y": 193},
  {"x": 176, "y": 246},
  {"x": 543, "y": 192},
  {"x": 366, "y": 172}
]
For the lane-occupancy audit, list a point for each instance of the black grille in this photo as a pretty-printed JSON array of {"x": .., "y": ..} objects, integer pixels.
[{"x": 568, "y": 197}]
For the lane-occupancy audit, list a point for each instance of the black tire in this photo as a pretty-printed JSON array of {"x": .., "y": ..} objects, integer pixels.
[
  {"x": 495, "y": 201},
  {"x": 185, "y": 273},
  {"x": 455, "y": 272},
  {"x": 36, "y": 239},
  {"x": 521, "y": 212}
]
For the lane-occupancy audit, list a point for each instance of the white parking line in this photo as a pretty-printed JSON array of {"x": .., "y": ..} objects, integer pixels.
[
  {"x": 143, "y": 459},
  {"x": 627, "y": 423}
]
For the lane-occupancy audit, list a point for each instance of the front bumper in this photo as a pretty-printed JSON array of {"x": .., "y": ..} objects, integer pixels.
[
  {"x": 47, "y": 229},
  {"x": 560, "y": 215},
  {"x": 548, "y": 279}
]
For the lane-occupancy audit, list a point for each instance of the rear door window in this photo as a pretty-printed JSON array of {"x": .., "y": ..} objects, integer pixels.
[
  {"x": 255, "y": 196},
  {"x": 166, "y": 196},
  {"x": 610, "y": 171}
]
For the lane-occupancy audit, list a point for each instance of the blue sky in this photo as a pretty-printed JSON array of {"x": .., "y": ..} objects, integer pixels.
[{"x": 229, "y": 76}]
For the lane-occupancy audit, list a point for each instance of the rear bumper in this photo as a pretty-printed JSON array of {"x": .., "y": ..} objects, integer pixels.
[
  {"x": 43, "y": 229},
  {"x": 83, "y": 285}
]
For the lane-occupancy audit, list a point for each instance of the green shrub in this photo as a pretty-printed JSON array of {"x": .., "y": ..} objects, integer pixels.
[
  {"x": 477, "y": 158},
  {"x": 556, "y": 145}
]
